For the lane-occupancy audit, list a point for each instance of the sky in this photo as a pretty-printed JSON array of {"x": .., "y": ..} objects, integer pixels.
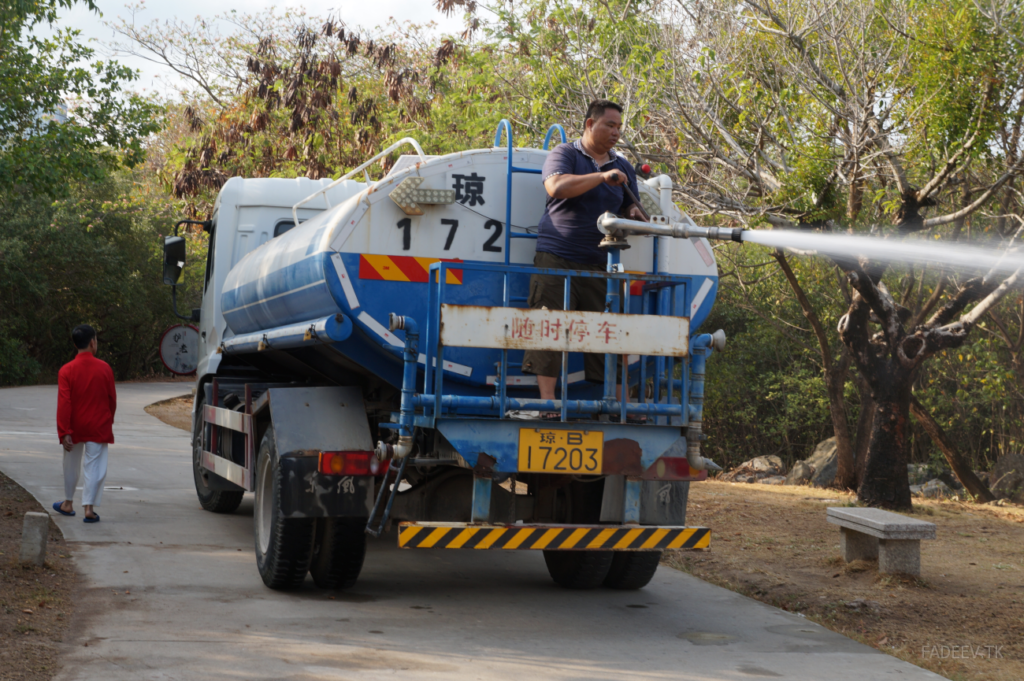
[{"x": 363, "y": 13}]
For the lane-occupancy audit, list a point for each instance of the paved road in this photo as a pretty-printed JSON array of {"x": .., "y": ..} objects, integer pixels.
[{"x": 198, "y": 610}]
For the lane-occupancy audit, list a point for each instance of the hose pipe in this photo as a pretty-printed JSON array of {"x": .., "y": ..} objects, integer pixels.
[
  {"x": 700, "y": 347},
  {"x": 410, "y": 357}
]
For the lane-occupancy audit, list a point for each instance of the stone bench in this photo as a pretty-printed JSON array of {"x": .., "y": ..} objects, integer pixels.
[{"x": 871, "y": 533}]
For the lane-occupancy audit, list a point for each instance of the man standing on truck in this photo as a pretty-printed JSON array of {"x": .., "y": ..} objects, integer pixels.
[
  {"x": 583, "y": 180},
  {"x": 86, "y": 402}
]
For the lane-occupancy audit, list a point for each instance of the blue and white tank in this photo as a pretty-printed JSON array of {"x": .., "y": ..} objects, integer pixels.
[{"x": 367, "y": 258}]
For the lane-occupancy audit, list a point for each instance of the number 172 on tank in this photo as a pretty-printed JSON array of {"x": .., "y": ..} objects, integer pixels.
[{"x": 561, "y": 451}]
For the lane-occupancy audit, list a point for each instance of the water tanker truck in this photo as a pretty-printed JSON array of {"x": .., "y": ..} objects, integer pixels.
[{"x": 360, "y": 371}]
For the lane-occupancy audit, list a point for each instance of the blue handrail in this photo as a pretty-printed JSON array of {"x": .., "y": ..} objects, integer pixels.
[
  {"x": 658, "y": 298},
  {"x": 506, "y": 127},
  {"x": 551, "y": 131}
]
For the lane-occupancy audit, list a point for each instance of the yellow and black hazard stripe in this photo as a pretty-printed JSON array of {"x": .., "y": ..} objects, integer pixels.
[{"x": 551, "y": 537}]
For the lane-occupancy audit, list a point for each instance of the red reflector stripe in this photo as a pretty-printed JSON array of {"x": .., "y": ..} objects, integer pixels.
[{"x": 345, "y": 463}]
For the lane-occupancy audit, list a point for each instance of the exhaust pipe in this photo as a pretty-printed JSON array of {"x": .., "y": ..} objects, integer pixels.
[{"x": 614, "y": 226}]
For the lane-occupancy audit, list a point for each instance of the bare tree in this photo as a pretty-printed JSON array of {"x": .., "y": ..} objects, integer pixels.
[{"x": 760, "y": 88}]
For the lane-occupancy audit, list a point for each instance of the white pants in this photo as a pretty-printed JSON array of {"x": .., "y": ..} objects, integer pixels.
[{"x": 95, "y": 464}]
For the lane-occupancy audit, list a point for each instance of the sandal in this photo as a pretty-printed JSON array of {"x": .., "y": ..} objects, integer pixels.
[
  {"x": 57, "y": 507},
  {"x": 94, "y": 519}
]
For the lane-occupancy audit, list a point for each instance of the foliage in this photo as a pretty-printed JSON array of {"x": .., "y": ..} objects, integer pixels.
[
  {"x": 89, "y": 258},
  {"x": 61, "y": 121}
]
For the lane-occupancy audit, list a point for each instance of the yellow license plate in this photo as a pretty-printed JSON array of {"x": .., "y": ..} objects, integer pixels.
[{"x": 561, "y": 451}]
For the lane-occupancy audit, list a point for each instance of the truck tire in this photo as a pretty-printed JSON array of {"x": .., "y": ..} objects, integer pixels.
[
  {"x": 338, "y": 552},
  {"x": 284, "y": 546},
  {"x": 581, "y": 569},
  {"x": 632, "y": 569},
  {"x": 216, "y": 501},
  {"x": 578, "y": 569}
]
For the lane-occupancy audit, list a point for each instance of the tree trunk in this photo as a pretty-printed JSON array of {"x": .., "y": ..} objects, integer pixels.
[
  {"x": 835, "y": 379},
  {"x": 885, "y": 483},
  {"x": 961, "y": 468},
  {"x": 864, "y": 422},
  {"x": 835, "y": 384}
]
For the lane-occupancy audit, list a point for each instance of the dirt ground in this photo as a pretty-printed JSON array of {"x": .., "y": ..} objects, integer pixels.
[
  {"x": 176, "y": 412},
  {"x": 963, "y": 618},
  {"x": 35, "y": 602}
]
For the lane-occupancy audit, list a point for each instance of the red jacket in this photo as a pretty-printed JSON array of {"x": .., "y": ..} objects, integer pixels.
[{"x": 86, "y": 400}]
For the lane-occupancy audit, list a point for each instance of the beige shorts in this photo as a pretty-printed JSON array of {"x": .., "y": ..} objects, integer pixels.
[{"x": 548, "y": 290}]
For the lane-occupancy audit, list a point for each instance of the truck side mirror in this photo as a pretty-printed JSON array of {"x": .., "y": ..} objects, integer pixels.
[{"x": 174, "y": 259}]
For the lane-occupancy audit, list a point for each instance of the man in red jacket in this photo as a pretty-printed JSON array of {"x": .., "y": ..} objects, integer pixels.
[{"x": 86, "y": 402}]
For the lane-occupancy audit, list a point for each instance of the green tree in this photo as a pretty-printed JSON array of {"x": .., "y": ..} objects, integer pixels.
[
  {"x": 61, "y": 120},
  {"x": 91, "y": 257}
]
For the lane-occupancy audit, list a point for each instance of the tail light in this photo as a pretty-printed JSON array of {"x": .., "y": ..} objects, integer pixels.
[
  {"x": 671, "y": 468},
  {"x": 347, "y": 463}
]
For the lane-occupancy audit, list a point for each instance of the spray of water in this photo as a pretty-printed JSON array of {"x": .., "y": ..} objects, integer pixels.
[{"x": 894, "y": 251}]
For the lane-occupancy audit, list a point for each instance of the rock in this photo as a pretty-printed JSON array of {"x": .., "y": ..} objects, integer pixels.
[
  {"x": 825, "y": 462},
  {"x": 918, "y": 473},
  {"x": 950, "y": 480},
  {"x": 915, "y": 490},
  {"x": 819, "y": 468},
  {"x": 800, "y": 474},
  {"x": 755, "y": 469},
  {"x": 936, "y": 489},
  {"x": 1008, "y": 477},
  {"x": 774, "y": 480},
  {"x": 861, "y": 605},
  {"x": 34, "y": 532},
  {"x": 999, "y": 502},
  {"x": 770, "y": 464}
]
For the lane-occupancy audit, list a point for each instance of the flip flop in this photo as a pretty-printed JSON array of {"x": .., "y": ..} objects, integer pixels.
[
  {"x": 94, "y": 519},
  {"x": 58, "y": 509}
]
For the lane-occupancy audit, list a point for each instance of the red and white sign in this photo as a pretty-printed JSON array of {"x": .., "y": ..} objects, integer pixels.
[
  {"x": 179, "y": 349},
  {"x": 470, "y": 326}
]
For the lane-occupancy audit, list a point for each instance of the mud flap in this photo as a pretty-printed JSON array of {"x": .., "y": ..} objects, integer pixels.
[
  {"x": 662, "y": 502},
  {"x": 306, "y": 493}
]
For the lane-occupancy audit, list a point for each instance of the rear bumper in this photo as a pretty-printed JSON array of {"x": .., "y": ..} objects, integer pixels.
[{"x": 417, "y": 535}]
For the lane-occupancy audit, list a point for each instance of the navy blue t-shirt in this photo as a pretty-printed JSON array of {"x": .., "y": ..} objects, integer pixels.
[{"x": 568, "y": 227}]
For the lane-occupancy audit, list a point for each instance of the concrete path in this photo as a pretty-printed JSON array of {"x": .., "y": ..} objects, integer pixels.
[{"x": 172, "y": 592}]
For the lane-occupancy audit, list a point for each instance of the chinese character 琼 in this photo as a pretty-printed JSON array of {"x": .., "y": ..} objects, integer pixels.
[
  {"x": 469, "y": 188},
  {"x": 547, "y": 437},
  {"x": 608, "y": 330},
  {"x": 578, "y": 329},
  {"x": 522, "y": 327}
]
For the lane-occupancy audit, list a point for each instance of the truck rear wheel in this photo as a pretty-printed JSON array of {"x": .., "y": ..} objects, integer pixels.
[
  {"x": 284, "y": 546},
  {"x": 632, "y": 569},
  {"x": 216, "y": 501},
  {"x": 578, "y": 569},
  {"x": 338, "y": 552}
]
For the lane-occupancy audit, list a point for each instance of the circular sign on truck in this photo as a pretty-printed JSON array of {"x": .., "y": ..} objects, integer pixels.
[{"x": 179, "y": 349}]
